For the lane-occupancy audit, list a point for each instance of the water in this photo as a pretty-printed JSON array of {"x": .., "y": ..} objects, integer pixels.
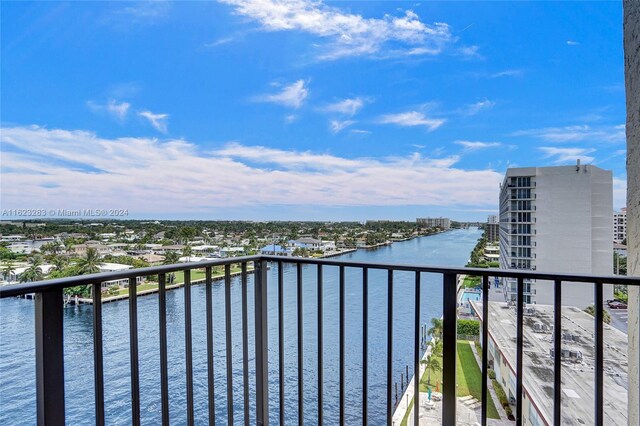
[
  {"x": 17, "y": 372},
  {"x": 469, "y": 295}
]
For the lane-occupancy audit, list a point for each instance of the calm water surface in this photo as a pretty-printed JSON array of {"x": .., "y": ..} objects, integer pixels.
[{"x": 17, "y": 372}]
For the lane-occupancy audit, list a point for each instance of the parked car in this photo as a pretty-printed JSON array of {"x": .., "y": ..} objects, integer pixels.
[{"x": 616, "y": 304}]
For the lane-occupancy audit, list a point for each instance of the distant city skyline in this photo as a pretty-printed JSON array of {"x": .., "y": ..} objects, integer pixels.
[{"x": 252, "y": 110}]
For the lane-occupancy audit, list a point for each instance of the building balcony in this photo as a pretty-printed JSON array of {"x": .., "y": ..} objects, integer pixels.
[{"x": 270, "y": 383}]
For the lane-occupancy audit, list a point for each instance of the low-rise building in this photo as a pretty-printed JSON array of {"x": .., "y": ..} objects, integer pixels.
[
  {"x": 492, "y": 253},
  {"x": 276, "y": 250},
  {"x": 578, "y": 362},
  {"x": 116, "y": 267},
  {"x": 307, "y": 243}
]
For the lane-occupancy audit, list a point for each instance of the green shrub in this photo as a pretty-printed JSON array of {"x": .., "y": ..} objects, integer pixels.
[
  {"x": 502, "y": 396},
  {"x": 491, "y": 374},
  {"x": 509, "y": 412},
  {"x": 469, "y": 327},
  {"x": 591, "y": 310}
]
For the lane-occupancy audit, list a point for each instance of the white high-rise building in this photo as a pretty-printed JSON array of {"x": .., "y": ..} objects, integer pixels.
[
  {"x": 556, "y": 219},
  {"x": 620, "y": 226}
]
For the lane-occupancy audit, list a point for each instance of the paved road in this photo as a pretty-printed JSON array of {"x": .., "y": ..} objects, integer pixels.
[{"x": 618, "y": 318}]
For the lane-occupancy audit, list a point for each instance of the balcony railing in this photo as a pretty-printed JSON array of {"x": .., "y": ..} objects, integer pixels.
[{"x": 49, "y": 346}]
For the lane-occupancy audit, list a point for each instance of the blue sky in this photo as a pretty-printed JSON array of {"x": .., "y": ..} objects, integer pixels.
[{"x": 261, "y": 109}]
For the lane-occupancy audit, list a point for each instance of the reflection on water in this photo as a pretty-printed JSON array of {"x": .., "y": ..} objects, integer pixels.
[{"x": 17, "y": 373}]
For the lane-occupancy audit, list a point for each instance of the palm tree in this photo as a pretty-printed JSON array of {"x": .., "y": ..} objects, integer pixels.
[
  {"x": 59, "y": 263},
  {"x": 9, "y": 268},
  {"x": 33, "y": 272},
  {"x": 68, "y": 245},
  {"x": 186, "y": 251},
  {"x": 431, "y": 364},
  {"x": 171, "y": 258},
  {"x": 436, "y": 346},
  {"x": 436, "y": 328},
  {"x": 90, "y": 263}
]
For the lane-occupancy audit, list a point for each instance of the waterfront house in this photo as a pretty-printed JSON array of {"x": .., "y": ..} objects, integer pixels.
[
  {"x": 276, "y": 250},
  {"x": 116, "y": 267}
]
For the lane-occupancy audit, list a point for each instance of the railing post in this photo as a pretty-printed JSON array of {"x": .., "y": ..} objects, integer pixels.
[
  {"x": 599, "y": 365},
  {"x": 449, "y": 341},
  {"x": 49, "y": 358},
  {"x": 262, "y": 344}
]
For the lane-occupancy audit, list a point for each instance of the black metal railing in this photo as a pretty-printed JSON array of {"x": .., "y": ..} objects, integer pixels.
[{"x": 50, "y": 351}]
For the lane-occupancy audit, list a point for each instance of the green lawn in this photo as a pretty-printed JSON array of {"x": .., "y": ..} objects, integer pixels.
[
  {"x": 196, "y": 274},
  {"x": 469, "y": 379},
  {"x": 470, "y": 282}
]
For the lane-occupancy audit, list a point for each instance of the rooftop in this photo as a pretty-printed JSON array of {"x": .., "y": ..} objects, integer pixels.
[{"x": 577, "y": 378}]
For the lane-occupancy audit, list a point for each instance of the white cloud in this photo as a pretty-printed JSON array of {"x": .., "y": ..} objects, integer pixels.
[
  {"x": 219, "y": 42},
  {"x": 145, "y": 12},
  {"x": 579, "y": 133},
  {"x": 507, "y": 73},
  {"x": 113, "y": 108},
  {"x": 572, "y": 43},
  {"x": 473, "y": 109},
  {"x": 348, "y": 34},
  {"x": 337, "y": 126},
  {"x": 148, "y": 175},
  {"x": 346, "y": 106},
  {"x": 360, "y": 131},
  {"x": 412, "y": 118},
  {"x": 619, "y": 193},
  {"x": 473, "y": 145},
  {"x": 290, "y": 118},
  {"x": 568, "y": 155},
  {"x": 158, "y": 121},
  {"x": 292, "y": 96},
  {"x": 470, "y": 52}
]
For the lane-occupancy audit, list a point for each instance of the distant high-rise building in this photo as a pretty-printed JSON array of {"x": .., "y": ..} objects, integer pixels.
[
  {"x": 556, "y": 219},
  {"x": 435, "y": 222},
  {"x": 492, "y": 228},
  {"x": 620, "y": 226}
]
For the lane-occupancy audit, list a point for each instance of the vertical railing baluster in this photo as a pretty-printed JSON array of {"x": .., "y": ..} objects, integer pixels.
[
  {"x": 133, "y": 351},
  {"x": 390, "y": 404},
  {"x": 365, "y": 346},
  {"x": 281, "y": 341},
  {"x": 98, "y": 379},
  {"x": 300, "y": 322},
  {"x": 449, "y": 342},
  {"x": 164, "y": 359},
  {"x": 188, "y": 346},
  {"x": 557, "y": 352},
  {"x": 49, "y": 358},
  {"x": 245, "y": 344},
  {"x": 519, "y": 349},
  {"x": 229, "y": 342},
  {"x": 320, "y": 348},
  {"x": 341, "y": 344},
  {"x": 416, "y": 353},
  {"x": 485, "y": 337},
  {"x": 599, "y": 367},
  {"x": 210, "y": 365},
  {"x": 262, "y": 344}
]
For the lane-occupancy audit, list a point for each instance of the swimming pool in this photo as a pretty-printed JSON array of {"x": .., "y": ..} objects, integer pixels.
[{"x": 469, "y": 295}]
